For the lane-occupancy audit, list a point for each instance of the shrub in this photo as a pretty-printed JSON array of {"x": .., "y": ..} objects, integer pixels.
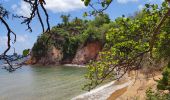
[
  {"x": 151, "y": 95},
  {"x": 164, "y": 83}
]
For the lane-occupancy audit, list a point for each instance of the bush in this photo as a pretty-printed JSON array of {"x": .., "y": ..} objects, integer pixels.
[
  {"x": 164, "y": 83},
  {"x": 40, "y": 47},
  {"x": 151, "y": 95}
]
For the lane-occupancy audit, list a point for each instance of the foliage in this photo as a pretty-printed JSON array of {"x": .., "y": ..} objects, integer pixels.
[
  {"x": 164, "y": 83},
  {"x": 128, "y": 43},
  {"x": 69, "y": 35},
  {"x": 40, "y": 48},
  {"x": 151, "y": 95},
  {"x": 103, "y": 2},
  {"x": 65, "y": 19},
  {"x": 34, "y": 6},
  {"x": 163, "y": 45},
  {"x": 3, "y": 12},
  {"x": 26, "y": 52},
  {"x": 97, "y": 28},
  {"x": 98, "y": 6}
]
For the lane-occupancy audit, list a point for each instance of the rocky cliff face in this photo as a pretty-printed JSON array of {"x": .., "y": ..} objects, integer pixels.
[
  {"x": 87, "y": 53},
  {"x": 54, "y": 56}
]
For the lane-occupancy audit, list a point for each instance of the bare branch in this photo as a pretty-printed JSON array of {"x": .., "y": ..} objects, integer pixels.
[{"x": 34, "y": 8}]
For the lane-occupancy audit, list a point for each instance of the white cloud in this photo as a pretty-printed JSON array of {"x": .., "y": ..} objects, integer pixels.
[
  {"x": 22, "y": 9},
  {"x": 64, "y": 5},
  {"x": 53, "y": 5},
  {"x": 22, "y": 38},
  {"x": 140, "y": 7},
  {"x": 126, "y": 1},
  {"x": 23, "y": 42},
  {"x": 3, "y": 40},
  {"x": 155, "y": 0}
]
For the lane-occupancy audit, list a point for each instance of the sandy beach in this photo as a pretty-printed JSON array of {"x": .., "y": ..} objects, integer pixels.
[
  {"x": 104, "y": 92},
  {"x": 129, "y": 88}
]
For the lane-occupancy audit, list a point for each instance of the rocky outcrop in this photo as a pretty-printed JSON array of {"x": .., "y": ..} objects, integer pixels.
[
  {"x": 31, "y": 61},
  {"x": 87, "y": 52},
  {"x": 54, "y": 56}
]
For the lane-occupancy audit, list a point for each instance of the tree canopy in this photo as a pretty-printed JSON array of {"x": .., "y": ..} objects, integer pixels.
[{"x": 132, "y": 43}]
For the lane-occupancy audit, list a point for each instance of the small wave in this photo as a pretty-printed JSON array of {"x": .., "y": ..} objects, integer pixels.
[
  {"x": 103, "y": 92},
  {"x": 74, "y": 65}
]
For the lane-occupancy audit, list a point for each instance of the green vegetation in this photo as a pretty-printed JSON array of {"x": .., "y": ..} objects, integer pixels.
[
  {"x": 69, "y": 35},
  {"x": 163, "y": 85},
  {"x": 132, "y": 43},
  {"x": 40, "y": 48},
  {"x": 152, "y": 95},
  {"x": 129, "y": 43}
]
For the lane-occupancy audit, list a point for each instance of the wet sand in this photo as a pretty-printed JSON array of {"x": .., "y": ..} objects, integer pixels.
[
  {"x": 104, "y": 92},
  {"x": 117, "y": 93}
]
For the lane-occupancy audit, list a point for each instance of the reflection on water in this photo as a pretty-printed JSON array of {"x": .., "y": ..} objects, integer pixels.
[{"x": 41, "y": 83}]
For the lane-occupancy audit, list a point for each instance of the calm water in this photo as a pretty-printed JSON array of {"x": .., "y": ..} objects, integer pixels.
[{"x": 41, "y": 83}]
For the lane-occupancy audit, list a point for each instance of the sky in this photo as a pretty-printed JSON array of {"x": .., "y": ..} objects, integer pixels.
[{"x": 55, "y": 8}]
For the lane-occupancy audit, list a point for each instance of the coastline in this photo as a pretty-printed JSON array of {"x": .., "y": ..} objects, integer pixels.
[
  {"x": 103, "y": 92},
  {"x": 67, "y": 65},
  {"x": 74, "y": 65}
]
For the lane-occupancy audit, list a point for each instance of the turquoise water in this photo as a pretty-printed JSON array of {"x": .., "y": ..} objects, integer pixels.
[{"x": 41, "y": 83}]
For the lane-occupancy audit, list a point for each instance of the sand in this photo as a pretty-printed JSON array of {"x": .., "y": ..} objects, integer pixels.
[
  {"x": 136, "y": 91},
  {"x": 103, "y": 92},
  {"x": 131, "y": 87}
]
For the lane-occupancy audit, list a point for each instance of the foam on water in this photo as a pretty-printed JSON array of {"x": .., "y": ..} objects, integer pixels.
[{"x": 102, "y": 93}]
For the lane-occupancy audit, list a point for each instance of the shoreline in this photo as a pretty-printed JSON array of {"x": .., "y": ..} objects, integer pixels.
[
  {"x": 74, "y": 65},
  {"x": 103, "y": 92},
  {"x": 66, "y": 65}
]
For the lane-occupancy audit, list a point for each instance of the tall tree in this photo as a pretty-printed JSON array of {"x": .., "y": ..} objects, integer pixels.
[{"x": 65, "y": 19}]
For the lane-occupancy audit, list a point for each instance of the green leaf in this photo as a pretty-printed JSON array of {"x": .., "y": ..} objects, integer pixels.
[
  {"x": 103, "y": 4},
  {"x": 86, "y": 2},
  {"x": 108, "y": 2},
  {"x": 85, "y": 14},
  {"x": 147, "y": 5},
  {"x": 26, "y": 52}
]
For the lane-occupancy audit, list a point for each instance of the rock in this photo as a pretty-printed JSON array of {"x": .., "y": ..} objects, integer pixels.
[
  {"x": 54, "y": 56},
  {"x": 87, "y": 53},
  {"x": 31, "y": 61}
]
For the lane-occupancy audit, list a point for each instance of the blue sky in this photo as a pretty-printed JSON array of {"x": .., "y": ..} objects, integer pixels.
[{"x": 55, "y": 8}]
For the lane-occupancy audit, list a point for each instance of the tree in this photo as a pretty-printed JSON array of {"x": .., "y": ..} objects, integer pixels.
[
  {"x": 98, "y": 6},
  {"x": 4, "y": 15},
  {"x": 77, "y": 21},
  {"x": 65, "y": 19},
  {"x": 131, "y": 43}
]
